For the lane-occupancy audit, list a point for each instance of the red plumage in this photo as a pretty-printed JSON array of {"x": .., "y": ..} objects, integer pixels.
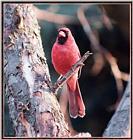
[{"x": 65, "y": 53}]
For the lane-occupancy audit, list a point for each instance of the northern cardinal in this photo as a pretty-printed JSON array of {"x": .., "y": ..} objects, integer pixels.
[{"x": 65, "y": 53}]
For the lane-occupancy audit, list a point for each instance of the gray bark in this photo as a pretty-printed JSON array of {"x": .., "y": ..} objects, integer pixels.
[
  {"x": 120, "y": 125},
  {"x": 33, "y": 108}
]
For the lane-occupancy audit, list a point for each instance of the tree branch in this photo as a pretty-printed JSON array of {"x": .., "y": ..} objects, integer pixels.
[
  {"x": 73, "y": 69},
  {"x": 55, "y": 18},
  {"x": 34, "y": 110},
  {"x": 119, "y": 125}
]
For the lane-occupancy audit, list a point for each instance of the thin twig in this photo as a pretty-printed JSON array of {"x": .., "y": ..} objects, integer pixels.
[
  {"x": 106, "y": 20},
  {"x": 73, "y": 69},
  {"x": 98, "y": 57},
  {"x": 102, "y": 52},
  {"x": 87, "y": 28}
]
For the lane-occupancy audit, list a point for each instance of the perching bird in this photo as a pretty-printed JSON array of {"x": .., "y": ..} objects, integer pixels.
[{"x": 65, "y": 53}]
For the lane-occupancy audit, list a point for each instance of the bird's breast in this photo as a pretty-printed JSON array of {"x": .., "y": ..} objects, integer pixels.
[{"x": 63, "y": 59}]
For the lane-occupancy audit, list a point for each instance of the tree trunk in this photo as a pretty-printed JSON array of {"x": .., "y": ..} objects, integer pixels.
[
  {"x": 119, "y": 125},
  {"x": 33, "y": 108}
]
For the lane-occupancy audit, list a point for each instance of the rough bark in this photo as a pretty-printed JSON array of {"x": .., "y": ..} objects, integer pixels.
[
  {"x": 120, "y": 125},
  {"x": 34, "y": 110}
]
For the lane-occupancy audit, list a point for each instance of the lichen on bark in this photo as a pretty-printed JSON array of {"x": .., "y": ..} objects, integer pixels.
[{"x": 33, "y": 108}]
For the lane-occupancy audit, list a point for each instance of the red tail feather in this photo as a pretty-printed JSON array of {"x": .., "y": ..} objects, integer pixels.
[{"x": 76, "y": 105}]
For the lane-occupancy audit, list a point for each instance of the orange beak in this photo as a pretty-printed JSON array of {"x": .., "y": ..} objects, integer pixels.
[{"x": 61, "y": 34}]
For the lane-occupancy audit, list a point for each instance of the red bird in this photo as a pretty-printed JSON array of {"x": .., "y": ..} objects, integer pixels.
[{"x": 65, "y": 53}]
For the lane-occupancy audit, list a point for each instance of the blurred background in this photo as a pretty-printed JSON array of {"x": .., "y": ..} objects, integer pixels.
[{"x": 103, "y": 29}]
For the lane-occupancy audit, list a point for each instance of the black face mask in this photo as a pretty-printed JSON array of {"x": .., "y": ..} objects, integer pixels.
[{"x": 62, "y": 40}]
